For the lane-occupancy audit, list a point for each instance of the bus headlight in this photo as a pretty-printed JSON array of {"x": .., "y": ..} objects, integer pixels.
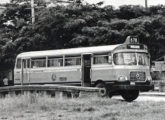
[
  {"x": 122, "y": 78},
  {"x": 149, "y": 78}
]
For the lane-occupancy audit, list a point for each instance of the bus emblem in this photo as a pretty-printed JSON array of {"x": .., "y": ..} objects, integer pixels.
[
  {"x": 137, "y": 76},
  {"x": 53, "y": 77}
]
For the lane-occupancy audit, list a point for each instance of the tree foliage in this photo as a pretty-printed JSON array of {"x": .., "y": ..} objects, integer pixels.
[{"x": 73, "y": 26}]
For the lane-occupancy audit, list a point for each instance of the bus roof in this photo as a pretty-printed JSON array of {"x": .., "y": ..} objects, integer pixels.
[{"x": 70, "y": 51}]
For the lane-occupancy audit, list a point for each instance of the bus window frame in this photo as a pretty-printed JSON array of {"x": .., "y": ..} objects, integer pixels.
[
  {"x": 72, "y": 56},
  {"x": 26, "y": 62},
  {"x": 32, "y": 59},
  {"x": 148, "y": 59},
  {"x": 55, "y": 57},
  {"x": 17, "y": 63},
  {"x": 101, "y": 54},
  {"x": 136, "y": 52}
]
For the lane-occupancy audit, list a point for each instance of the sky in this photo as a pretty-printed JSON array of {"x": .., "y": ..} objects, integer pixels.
[
  {"x": 117, "y": 3},
  {"x": 4, "y": 1}
]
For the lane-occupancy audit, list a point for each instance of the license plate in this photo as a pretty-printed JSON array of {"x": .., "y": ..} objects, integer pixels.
[{"x": 132, "y": 83}]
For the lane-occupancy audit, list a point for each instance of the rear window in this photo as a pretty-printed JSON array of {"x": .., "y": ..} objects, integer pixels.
[{"x": 18, "y": 63}]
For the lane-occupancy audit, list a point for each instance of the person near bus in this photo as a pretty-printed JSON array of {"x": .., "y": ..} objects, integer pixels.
[{"x": 5, "y": 81}]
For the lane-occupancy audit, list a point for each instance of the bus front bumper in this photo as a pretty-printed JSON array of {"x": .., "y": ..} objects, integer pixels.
[{"x": 133, "y": 87}]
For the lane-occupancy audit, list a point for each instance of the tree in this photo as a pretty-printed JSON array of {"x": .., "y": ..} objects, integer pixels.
[{"x": 73, "y": 26}]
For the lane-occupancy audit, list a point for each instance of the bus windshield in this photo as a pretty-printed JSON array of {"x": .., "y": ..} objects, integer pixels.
[{"x": 131, "y": 59}]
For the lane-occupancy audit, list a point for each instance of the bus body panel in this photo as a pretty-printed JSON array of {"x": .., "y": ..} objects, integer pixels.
[
  {"x": 73, "y": 74},
  {"x": 113, "y": 73},
  {"x": 126, "y": 71},
  {"x": 103, "y": 72},
  {"x": 17, "y": 76},
  {"x": 50, "y": 75}
]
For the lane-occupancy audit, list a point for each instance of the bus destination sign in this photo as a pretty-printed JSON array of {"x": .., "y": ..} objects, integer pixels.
[{"x": 134, "y": 46}]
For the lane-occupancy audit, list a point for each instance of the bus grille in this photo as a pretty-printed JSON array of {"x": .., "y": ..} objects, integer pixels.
[{"x": 137, "y": 76}]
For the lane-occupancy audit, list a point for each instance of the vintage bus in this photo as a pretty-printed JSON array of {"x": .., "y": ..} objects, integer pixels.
[{"x": 122, "y": 68}]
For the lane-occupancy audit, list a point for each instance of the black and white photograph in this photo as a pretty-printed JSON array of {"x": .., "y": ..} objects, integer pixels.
[{"x": 82, "y": 60}]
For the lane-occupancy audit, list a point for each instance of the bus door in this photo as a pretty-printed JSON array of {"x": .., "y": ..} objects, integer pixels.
[
  {"x": 25, "y": 71},
  {"x": 86, "y": 70}
]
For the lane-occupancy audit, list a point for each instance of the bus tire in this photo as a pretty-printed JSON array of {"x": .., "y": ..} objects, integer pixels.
[
  {"x": 102, "y": 85},
  {"x": 130, "y": 95}
]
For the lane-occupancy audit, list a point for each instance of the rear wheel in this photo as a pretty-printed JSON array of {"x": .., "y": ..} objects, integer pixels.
[{"x": 130, "y": 95}]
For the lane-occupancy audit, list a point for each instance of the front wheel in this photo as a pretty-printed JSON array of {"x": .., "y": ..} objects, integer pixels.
[{"x": 130, "y": 95}]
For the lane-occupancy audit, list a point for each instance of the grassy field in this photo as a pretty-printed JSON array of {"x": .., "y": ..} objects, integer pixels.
[{"x": 37, "y": 107}]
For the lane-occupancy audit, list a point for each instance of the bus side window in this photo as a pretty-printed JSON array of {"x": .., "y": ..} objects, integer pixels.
[
  {"x": 38, "y": 62},
  {"x": 100, "y": 59},
  {"x": 18, "y": 65},
  {"x": 72, "y": 61},
  {"x": 26, "y": 63},
  {"x": 55, "y": 61}
]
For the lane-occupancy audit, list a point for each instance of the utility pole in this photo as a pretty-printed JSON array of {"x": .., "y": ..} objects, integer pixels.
[
  {"x": 32, "y": 12},
  {"x": 33, "y": 8},
  {"x": 146, "y": 4}
]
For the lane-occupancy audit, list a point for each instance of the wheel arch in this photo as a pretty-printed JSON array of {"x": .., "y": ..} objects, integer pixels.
[{"x": 98, "y": 81}]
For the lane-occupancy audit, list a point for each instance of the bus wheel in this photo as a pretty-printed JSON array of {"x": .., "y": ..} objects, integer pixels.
[
  {"x": 130, "y": 95},
  {"x": 102, "y": 85}
]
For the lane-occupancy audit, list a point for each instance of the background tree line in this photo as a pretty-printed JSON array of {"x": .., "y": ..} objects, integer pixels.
[{"x": 78, "y": 25}]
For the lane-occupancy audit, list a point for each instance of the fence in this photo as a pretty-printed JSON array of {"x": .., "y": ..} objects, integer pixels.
[{"x": 54, "y": 88}]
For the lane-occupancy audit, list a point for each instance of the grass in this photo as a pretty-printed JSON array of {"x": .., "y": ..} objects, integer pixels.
[{"x": 37, "y": 107}]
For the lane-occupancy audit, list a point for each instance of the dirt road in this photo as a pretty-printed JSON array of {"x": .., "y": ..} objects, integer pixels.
[{"x": 157, "y": 97}]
